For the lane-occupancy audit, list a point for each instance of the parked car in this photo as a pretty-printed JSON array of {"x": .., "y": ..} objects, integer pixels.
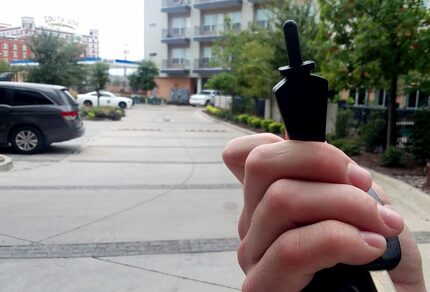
[
  {"x": 204, "y": 97},
  {"x": 106, "y": 99},
  {"x": 32, "y": 116}
]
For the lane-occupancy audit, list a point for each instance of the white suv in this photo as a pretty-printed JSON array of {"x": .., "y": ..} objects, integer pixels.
[{"x": 205, "y": 97}]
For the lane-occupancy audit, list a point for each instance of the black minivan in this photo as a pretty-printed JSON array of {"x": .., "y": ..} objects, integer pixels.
[{"x": 32, "y": 116}]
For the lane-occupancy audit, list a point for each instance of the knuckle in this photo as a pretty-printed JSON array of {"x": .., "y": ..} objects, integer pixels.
[
  {"x": 290, "y": 252},
  {"x": 242, "y": 256},
  {"x": 278, "y": 198},
  {"x": 256, "y": 159},
  {"x": 248, "y": 284},
  {"x": 229, "y": 152}
]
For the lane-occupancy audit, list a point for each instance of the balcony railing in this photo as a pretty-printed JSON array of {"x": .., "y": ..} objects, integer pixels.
[
  {"x": 175, "y": 6},
  {"x": 216, "y": 4},
  {"x": 207, "y": 66},
  {"x": 175, "y": 36},
  {"x": 175, "y": 66},
  {"x": 206, "y": 33}
]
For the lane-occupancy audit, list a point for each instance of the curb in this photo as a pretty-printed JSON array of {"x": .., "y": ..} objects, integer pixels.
[{"x": 6, "y": 163}]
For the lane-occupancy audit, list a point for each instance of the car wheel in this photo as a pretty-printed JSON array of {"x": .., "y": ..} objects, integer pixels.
[
  {"x": 122, "y": 105},
  {"x": 27, "y": 140},
  {"x": 88, "y": 103},
  {"x": 208, "y": 102}
]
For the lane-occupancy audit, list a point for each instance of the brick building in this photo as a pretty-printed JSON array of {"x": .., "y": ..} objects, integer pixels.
[{"x": 56, "y": 26}]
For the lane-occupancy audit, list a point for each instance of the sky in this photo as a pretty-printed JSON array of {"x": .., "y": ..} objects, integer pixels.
[{"x": 120, "y": 23}]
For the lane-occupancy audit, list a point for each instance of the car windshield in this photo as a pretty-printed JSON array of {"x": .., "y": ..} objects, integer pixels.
[{"x": 205, "y": 92}]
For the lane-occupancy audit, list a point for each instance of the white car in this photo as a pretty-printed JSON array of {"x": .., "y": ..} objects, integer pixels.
[
  {"x": 204, "y": 97},
  {"x": 106, "y": 99}
]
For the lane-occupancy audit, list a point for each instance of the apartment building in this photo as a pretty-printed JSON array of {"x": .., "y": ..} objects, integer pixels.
[
  {"x": 63, "y": 29},
  {"x": 13, "y": 49},
  {"x": 179, "y": 37}
]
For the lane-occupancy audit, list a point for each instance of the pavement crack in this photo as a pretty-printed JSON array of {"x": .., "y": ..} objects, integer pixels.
[{"x": 168, "y": 274}]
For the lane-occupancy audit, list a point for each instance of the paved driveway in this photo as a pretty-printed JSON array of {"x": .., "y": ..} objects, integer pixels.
[{"x": 143, "y": 204}]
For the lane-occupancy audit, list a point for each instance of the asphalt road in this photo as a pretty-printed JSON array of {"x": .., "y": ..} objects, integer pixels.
[{"x": 142, "y": 204}]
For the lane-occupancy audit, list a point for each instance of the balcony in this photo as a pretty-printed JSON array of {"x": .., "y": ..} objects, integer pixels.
[
  {"x": 260, "y": 24},
  {"x": 206, "y": 66},
  {"x": 208, "y": 33},
  {"x": 216, "y": 4},
  {"x": 176, "y": 6},
  {"x": 175, "y": 66},
  {"x": 176, "y": 36}
]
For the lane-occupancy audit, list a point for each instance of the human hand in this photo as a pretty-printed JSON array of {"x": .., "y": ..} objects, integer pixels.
[{"x": 306, "y": 209}]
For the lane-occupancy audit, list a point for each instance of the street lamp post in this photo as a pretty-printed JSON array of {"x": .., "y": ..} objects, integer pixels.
[{"x": 126, "y": 52}]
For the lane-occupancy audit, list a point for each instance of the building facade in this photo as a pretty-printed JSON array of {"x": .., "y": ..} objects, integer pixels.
[
  {"x": 61, "y": 29},
  {"x": 14, "y": 49},
  {"x": 179, "y": 37}
]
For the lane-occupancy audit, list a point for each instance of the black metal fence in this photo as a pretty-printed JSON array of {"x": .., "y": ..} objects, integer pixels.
[{"x": 404, "y": 121}]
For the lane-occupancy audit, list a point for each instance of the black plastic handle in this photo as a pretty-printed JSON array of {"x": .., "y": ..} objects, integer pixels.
[{"x": 302, "y": 100}]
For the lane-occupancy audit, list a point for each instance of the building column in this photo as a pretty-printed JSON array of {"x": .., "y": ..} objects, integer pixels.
[{"x": 199, "y": 84}]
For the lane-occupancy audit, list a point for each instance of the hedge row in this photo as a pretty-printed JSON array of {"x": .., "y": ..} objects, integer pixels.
[{"x": 248, "y": 120}]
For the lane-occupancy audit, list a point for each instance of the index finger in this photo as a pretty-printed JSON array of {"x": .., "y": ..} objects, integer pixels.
[{"x": 237, "y": 150}]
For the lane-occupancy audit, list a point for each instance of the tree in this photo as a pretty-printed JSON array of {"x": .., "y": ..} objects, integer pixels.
[
  {"x": 57, "y": 61},
  {"x": 254, "y": 55},
  {"x": 99, "y": 75},
  {"x": 247, "y": 54},
  {"x": 375, "y": 44},
  {"x": 144, "y": 77},
  {"x": 223, "y": 81},
  {"x": 4, "y": 66}
]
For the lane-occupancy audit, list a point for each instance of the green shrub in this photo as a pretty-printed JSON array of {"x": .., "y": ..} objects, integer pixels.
[
  {"x": 254, "y": 122},
  {"x": 243, "y": 118},
  {"x": 421, "y": 136},
  {"x": 212, "y": 110},
  {"x": 348, "y": 146},
  {"x": 392, "y": 156},
  {"x": 104, "y": 112},
  {"x": 373, "y": 132},
  {"x": 265, "y": 124},
  {"x": 90, "y": 115},
  {"x": 344, "y": 124},
  {"x": 275, "y": 128}
]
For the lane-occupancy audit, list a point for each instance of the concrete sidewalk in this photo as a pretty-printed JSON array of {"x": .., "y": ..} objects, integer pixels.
[{"x": 144, "y": 204}]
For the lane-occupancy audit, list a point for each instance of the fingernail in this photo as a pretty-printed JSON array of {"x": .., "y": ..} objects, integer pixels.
[
  {"x": 391, "y": 218},
  {"x": 374, "y": 239},
  {"x": 359, "y": 177}
]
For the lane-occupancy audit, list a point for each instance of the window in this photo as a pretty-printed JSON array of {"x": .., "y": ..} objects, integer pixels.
[
  {"x": 262, "y": 17},
  {"x": 380, "y": 97},
  {"x": 179, "y": 55},
  {"x": 6, "y": 53},
  {"x": 5, "y": 46},
  {"x": 417, "y": 99},
  {"x": 234, "y": 18},
  {"x": 25, "y": 97},
  {"x": 213, "y": 23},
  {"x": 206, "y": 54},
  {"x": 360, "y": 95},
  {"x": 15, "y": 47},
  {"x": 3, "y": 96},
  {"x": 178, "y": 25},
  {"x": 24, "y": 47}
]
